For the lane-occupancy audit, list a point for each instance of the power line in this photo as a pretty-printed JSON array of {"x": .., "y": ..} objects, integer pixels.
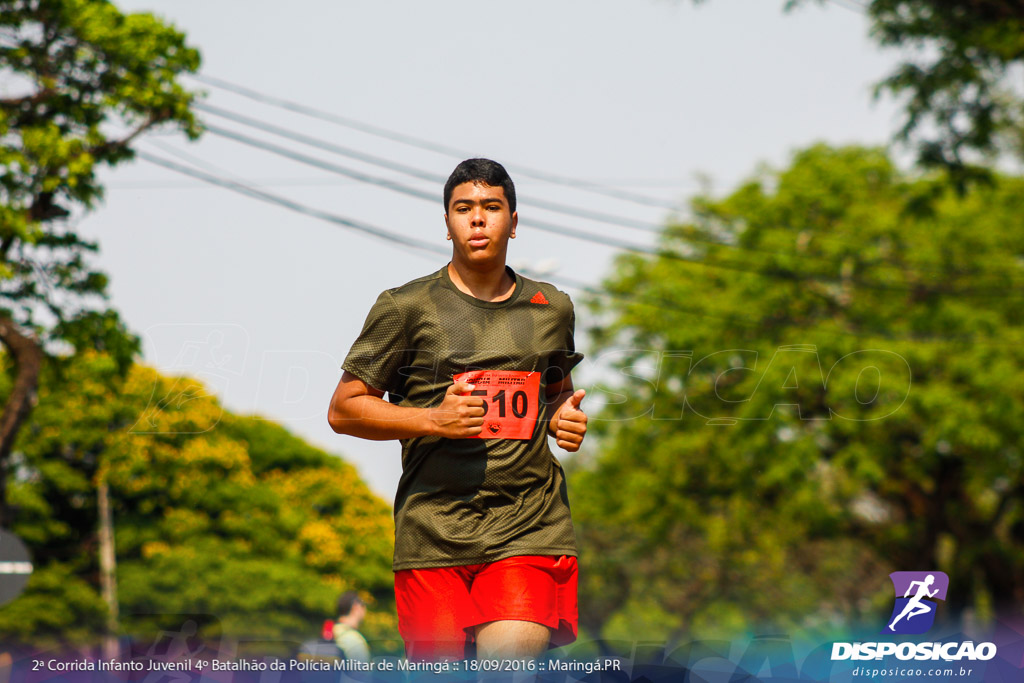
[
  {"x": 554, "y": 228},
  {"x": 346, "y": 171},
  {"x": 194, "y": 160},
  {"x": 428, "y": 145},
  {"x": 269, "y": 181},
  {"x": 365, "y": 228},
  {"x": 320, "y": 143},
  {"x": 381, "y": 233},
  {"x": 663, "y": 304},
  {"x": 437, "y": 179},
  {"x": 773, "y": 271},
  {"x": 422, "y": 174},
  {"x": 408, "y": 190},
  {"x": 398, "y": 240}
]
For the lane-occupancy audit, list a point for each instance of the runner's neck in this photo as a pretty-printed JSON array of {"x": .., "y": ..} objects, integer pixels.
[{"x": 489, "y": 285}]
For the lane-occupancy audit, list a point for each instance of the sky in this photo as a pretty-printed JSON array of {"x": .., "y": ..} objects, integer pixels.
[{"x": 662, "y": 99}]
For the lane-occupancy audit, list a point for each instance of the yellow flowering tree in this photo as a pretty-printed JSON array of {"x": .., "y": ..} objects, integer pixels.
[{"x": 230, "y": 519}]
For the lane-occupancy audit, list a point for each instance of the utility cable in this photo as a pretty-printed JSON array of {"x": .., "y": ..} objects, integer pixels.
[
  {"x": 773, "y": 272},
  {"x": 395, "y": 136},
  {"x": 326, "y": 145},
  {"x": 365, "y": 228},
  {"x": 398, "y": 240},
  {"x": 435, "y": 178}
]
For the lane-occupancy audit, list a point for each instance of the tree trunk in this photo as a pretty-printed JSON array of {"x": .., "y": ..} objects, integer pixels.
[
  {"x": 108, "y": 571},
  {"x": 27, "y": 354}
]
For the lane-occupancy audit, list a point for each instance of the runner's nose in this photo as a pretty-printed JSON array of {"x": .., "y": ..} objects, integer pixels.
[{"x": 477, "y": 219}]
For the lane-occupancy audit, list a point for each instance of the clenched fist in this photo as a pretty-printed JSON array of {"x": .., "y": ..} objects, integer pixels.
[
  {"x": 458, "y": 416},
  {"x": 569, "y": 423}
]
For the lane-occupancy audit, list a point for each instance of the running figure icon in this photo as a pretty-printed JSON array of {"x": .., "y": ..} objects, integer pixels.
[{"x": 914, "y": 606}]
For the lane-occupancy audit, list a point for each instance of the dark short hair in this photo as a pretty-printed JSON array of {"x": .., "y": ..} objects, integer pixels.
[
  {"x": 481, "y": 171},
  {"x": 347, "y": 601}
]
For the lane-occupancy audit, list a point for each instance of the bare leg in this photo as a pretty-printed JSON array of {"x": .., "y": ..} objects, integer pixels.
[{"x": 512, "y": 639}]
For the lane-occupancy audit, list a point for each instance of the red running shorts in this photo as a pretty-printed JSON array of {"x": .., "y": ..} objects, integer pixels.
[{"x": 438, "y": 608}]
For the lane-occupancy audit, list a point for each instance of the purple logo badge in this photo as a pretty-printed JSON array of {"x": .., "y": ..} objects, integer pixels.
[{"x": 916, "y": 596}]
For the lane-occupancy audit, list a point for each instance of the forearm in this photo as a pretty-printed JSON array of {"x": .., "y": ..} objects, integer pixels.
[{"x": 369, "y": 417}]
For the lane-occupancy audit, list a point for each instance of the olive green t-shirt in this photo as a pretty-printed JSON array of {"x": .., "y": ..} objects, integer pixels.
[{"x": 469, "y": 501}]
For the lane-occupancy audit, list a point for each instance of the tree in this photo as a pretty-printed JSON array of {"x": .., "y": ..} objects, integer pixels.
[
  {"x": 87, "y": 81},
  {"x": 229, "y": 518},
  {"x": 819, "y": 384},
  {"x": 962, "y": 105},
  {"x": 961, "y": 91}
]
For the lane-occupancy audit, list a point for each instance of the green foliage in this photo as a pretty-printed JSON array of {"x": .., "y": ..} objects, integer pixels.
[
  {"x": 820, "y": 383},
  {"x": 58, "y": 606},
  {"x": 82, "y": 81},
  {"x": 961, "y": 89},
  {"x": 215, "y": 514}
]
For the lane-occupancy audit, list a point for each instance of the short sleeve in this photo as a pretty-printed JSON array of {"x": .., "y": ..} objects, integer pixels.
[
  {"x": 379, "y": 351},
  {"x": 564, "y": 359}
]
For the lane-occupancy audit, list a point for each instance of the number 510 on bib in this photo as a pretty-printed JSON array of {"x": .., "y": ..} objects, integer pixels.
[{"x": 510, "y": 401}]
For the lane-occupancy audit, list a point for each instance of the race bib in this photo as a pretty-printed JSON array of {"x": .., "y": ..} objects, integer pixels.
[{"x": 510, "y": 401}]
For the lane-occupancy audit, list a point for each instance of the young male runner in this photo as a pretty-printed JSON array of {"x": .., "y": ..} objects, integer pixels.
[{"x": 485, "y": 550}]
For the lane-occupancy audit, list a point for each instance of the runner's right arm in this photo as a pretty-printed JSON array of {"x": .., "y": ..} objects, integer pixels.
[{"x": 360, "y": 410}]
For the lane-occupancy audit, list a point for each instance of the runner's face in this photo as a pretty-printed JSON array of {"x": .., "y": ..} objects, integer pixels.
[{"x": 480, "y": 224}]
